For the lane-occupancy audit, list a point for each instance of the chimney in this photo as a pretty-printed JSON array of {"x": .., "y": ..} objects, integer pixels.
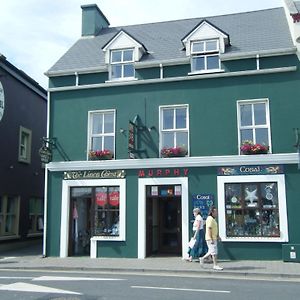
[{"x": 93, "y": 20}]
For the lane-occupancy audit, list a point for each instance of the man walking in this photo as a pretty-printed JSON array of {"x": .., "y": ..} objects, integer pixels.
[{"x": 212, "y": 237}]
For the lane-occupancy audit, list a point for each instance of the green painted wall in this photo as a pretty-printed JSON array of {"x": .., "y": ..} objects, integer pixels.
[
  {"x": 86, "y": 79},
  {"x": 208, "y": 125},
  {"x": 62, "y": 81},
  {"x": 53, "y": 213}
]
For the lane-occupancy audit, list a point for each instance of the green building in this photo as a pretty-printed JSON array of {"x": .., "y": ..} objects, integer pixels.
[{"x": 148, "y": 121}]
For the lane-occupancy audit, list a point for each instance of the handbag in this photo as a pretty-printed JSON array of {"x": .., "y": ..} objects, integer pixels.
[{"x": 192, "y": 242}]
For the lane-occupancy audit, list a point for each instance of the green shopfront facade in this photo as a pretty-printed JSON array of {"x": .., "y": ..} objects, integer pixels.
[{"x": 154, "y": 199}]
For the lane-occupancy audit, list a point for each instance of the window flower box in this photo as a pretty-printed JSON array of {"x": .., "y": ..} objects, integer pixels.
[
  {"x": 100, "y": 155},
  {"x": 173, "y": 152},
  {"x": 248, "y": 148}
]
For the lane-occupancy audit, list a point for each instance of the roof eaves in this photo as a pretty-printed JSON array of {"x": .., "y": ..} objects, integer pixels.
[{"x": 120, "y": 31}]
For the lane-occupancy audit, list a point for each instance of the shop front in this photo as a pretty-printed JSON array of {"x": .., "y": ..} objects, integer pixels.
[{"x": 148, "y": 212}]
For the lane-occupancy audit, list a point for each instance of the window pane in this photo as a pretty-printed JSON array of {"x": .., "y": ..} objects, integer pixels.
[
  {"x": 198, "y": 63},
  {"x": 260, "y": 114},
  {"x": 107, "y": 211},
  {"x": 97, "y": 123},
  {"x": 211, "y": 46},
  {"x": 109, "y": 143},
  {"x": 269, "y": 195},
  {"x": 197, "y": 47},
  {"x": 212, "y": 62},
  {"x": 168, "y": 139},
  {"x": 168, "y": 118},
  {"x": 262, "y": 136},
  {"x": 181, "y": 118},
  {"x": 96, "y": 143},
  {"x": 10, "y": 205},
  {"x": 246, "y": 114},
  {"x": 116, "y": 71},
  {"x": 128, "y": 55},
  {"x": 182, "y": 139},
  {"x": 128, "y": 70},
  {"x": 246, "y": 135},
  {"x": 109, "y": 123},
  {"x": 116, "y": 56}
]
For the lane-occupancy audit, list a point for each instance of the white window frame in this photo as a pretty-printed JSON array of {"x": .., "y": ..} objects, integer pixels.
[
  {"x": 280, "y": 180},
  {"x": 65, "y": 212},
  {"x": 205, "y": 53},
  {"x": 25, "y": 147},
  {"x": 4, "y": 214},
  {"x": 161, "y": 130},
  {"x": 102, "y": 135},
  {"x": 122, "y": 63},
  {"x": 253, "y": 126}
]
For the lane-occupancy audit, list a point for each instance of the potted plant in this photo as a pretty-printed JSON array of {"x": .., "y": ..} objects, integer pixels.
[
  {"x": 249, "y": 148},
  {"x": 100, "y": 154},
  {"x": 173, "y": 152}
]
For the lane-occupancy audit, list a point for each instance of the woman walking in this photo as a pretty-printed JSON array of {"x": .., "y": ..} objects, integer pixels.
[{"x": 198, "y": 235}]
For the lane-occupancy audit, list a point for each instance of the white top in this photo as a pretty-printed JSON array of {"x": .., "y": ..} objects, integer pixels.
[{"x": 200, "y": 220}]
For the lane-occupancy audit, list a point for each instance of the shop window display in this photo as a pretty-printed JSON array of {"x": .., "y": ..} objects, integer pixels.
[
  {"x": 107, "y": 203},
  {"x": 251, "y": 209}
]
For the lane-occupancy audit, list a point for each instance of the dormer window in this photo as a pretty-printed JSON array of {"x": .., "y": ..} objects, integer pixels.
[
  {"x": 121, "y": 63},
  {"x": 205, "y": 55}
]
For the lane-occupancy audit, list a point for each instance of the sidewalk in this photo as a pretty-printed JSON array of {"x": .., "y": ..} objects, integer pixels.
[{"x": 33, "y": 260}]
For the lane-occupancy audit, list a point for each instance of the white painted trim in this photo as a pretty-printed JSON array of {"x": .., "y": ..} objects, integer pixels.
[
  {"x": 173, "y": 62},
  {"x": 65, "y": 212},
  {"x": 89, "y": 128},
  {"x": 280, "y": 179},
  {"x": 253, "y": 54},
  {"x": 268, "y": 122},
  {"x": 178, "y": 162},
  {"x": 161, "y": 107},
  {"x": 142, "y": 183},
  {"x": 175, "y": 79}
]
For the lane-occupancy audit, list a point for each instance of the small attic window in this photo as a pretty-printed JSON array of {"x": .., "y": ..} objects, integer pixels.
[
  {"x": 205, "y": 56},
  {"x": 121, "y": 64}
]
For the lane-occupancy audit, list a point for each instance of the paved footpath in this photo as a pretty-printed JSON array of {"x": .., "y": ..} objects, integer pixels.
[{"x": 169, "y": 265}]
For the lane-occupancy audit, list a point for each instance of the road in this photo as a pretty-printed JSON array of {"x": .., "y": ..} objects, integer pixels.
[{"x": 44, "y": 285}]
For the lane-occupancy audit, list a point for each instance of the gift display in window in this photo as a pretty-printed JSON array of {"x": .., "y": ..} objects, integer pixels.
[
  {"x": 252, "y": 210},
  {"x": 233, "y": 196}
]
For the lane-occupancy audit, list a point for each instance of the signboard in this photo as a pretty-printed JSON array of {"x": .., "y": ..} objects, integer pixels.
[
  {"x": 45, "y": 154},
  {"x": 250, "y": 170},
  {"x": 101, "y": 198},
  {"x": 114, "y": 198},
  {"x": 204, "y": 202},
  {"x": 94, "y": 174}
]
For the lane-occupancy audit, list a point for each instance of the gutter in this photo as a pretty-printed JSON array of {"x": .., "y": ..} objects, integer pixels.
[{"x": 175, "y": 79}]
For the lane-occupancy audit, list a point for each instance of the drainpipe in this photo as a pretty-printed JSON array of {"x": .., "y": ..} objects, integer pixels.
[
  {"x": 77, "y": 79},
  {"x": 257, "y": 62},
  {"x": 161, "y": 71}
]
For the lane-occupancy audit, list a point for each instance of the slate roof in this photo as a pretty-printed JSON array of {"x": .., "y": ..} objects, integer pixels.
[{"x": 248, "y": 32}]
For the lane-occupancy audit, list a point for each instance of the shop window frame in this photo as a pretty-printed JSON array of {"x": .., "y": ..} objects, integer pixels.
[
  {"x": 283, "y": 224},
  {"x": 65, "y": 210}
]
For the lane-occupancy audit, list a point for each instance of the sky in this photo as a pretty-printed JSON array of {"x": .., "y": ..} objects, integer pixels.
[{"x": 34, "y": 34}]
